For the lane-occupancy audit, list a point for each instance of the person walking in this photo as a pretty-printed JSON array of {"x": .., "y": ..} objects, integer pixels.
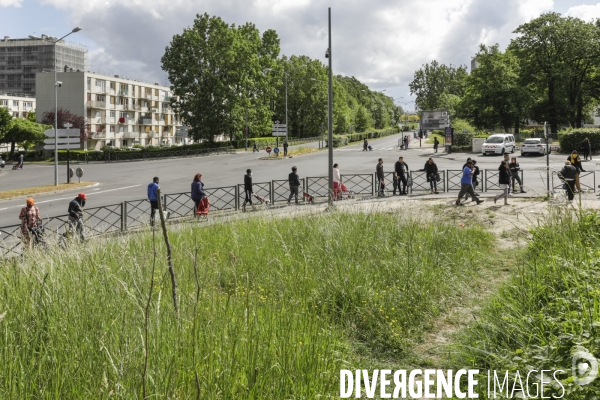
[
  {"x": 29, "y": 216},
  {"x": 294, "y": 181},
  {"x": 436, "y": 143},
  {"x": 380, "y": 178},
  {"x": 405, "y": 142},
  {"x": 365, "y": 145},
  {"x": 255, "y": 148},
  {"x": 153, "y": 198},
  {"x": 197, "y": 191},
  {"x": 337, "y": 182},
  {"x": 575, "y": 161},
  {"x": 400, "y": 175},
  {"x": 586, "y": 146},
  {"x": 568, "y": 174},
  {"x": 466, "y": 184},
  {"x": 431, "y": 171},
  {"x": 475, "y": 179},
  {"x": 507, "y": 160},
  {"x": 503, "y": 181},
  {"x": 514, "y": 172},
  {"x": 248, "y": 187},
  {"x": 285, "y": 147},
  {"x": 76, "y": 215},
  {"x": 21, "y": 158}
]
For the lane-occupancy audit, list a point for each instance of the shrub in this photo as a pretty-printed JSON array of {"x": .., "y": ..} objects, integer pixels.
[{"x": 571, "y": 140}]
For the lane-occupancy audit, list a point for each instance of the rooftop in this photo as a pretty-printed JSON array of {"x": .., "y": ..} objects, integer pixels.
[{"x": 9, "y": 94}]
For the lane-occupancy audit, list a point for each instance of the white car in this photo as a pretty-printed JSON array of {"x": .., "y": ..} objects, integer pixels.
[
  {"x": 499, "y": 143},
  {"x": 533, "y": 146}
]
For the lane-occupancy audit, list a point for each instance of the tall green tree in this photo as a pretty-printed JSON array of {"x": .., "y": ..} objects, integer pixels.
[
  {"x": 5, "y": 122},
  {"x": 217, "y": 72},
  {"x": 362, "y": 119},
  {"x": 557, "y": 55},
  {"x": 433, "y": 80},
  {"x": 495, "y": 95},
  {"x": 26, "y": 133}
]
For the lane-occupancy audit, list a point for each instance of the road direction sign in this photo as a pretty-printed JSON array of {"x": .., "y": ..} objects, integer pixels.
[
  {"x": 63, "y": 140},
  {"x": 72, "y": 146},
  {"x": 276, "y": 150},
  {"x": 62, "y": 132},
  {"x": 268, "y": 149},
  {"x": 279, "y": 129}
]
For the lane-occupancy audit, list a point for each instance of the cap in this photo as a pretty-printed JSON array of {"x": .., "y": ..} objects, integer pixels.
[
  {"x": 30, "y": 201},
  {"x": 82, "y": 196}
]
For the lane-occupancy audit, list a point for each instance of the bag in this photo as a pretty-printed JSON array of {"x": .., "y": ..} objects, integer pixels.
[
  {"x": 437, "y": 177},
  {"x": 409, "y": 181}
]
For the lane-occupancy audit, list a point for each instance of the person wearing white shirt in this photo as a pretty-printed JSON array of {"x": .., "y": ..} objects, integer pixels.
[{"x": 337, "y": 182}]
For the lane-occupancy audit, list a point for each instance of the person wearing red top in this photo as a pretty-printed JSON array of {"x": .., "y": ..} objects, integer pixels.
[{"x": 29, "y": 217}]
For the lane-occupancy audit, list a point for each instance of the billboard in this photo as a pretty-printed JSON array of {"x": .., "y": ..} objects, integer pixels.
[{"x": 435, "y": 119}]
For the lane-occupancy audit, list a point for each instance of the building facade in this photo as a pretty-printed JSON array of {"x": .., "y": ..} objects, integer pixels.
[
  {"x": 18, "y": 104},
  {"x": 21, "y": 59},
  {"x": 119, "y": 112}
]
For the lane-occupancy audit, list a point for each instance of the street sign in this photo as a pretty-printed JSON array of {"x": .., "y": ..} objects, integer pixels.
[
  {"x": 63, "y": 140},
  {"x": 79, "y": 173},
  {"x": 276, "y": 150},
  {"x": 72, "y": 146},
  {"x": 62, "y": 132},
  {"x": 268, "y": 149},
  {"x": 71, "y": 173},
  {"x": 279, "y": 129}
]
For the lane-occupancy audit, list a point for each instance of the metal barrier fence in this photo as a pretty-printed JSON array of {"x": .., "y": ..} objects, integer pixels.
[
  {"x": 119, "y": 156},
  {"x": 135, "y": 213},
  {"x": 491, "y": 177},
  {"x": 281, "y": 190},
  {"x": 587, "y": 181}
]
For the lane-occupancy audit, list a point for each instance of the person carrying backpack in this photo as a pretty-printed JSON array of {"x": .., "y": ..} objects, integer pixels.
[
  {"x": 153, "y": 198},
  {"x": 76, "y": 215}
]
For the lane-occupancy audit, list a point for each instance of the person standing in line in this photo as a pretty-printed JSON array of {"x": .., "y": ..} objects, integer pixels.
[
  {"x": 29, "y": 216},
  {"x": 401, "y": 173},
  {"x": 294, "y": 185},
  {"x": 197, "y": 191},
  {"x": 586, "y": 146},
  {"x": 76, "y": 214},
  {"x": 503, "y": 181},
  {"x": 575, "y": 161},
  {"x": 436, "y": 143},
  {"x": 337, "y": 182},
  {"x": 569, "y": 173},
  {"x": 380, "y": 178},
  {"x": 514, "y": 172},
  {"x": 285, "y": 147},
  {"x": 153, "y": 198},
  {"x": 431, "y": 171},
  {"x": 466, "y": 184},
  {"x": 365, "y": 145},
  {"x": 248, "y": 187}
]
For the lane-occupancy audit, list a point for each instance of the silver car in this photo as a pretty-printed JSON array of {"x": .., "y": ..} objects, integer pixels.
[{"x": 533, "y": 146}]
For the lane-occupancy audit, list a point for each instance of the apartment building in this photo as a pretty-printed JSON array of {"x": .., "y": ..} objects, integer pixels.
[
  {"x": 120, "y": 112},
  {"x": 18, "y": 104},
  {"x": 21, "y": 59}
]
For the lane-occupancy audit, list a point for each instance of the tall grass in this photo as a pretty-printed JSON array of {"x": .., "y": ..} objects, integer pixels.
[
  {"x": 548, "y": 308},
  {"x": 268, "y": 308}
]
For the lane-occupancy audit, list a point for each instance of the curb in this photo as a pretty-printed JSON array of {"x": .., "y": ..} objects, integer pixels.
[{"x": 54, "y": 191}]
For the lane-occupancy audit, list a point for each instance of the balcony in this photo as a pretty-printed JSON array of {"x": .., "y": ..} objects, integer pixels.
[
  {"x": 112, "y": 91},
  {"x": 103, "y": 135},
  {"x": 99, "y": 120},
  {"x": 96, "y": 104},
  {"x": 152, "y": 134},
  {"x": 144, "y": 121},
  {"x": 130, "y": 135},
  {"x": 120, "y": 107},
  {"x": 110, "y": 120},
  {"x": 123, "y": 92}
]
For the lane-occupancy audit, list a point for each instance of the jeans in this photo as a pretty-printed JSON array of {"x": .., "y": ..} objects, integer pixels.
[
  {"x": 432, "y": 182},
  {"x": 248, "y": 197},
  {"x": 515, "y": 177},
  {"x": 77, "y": 223},
  {"x": 293, "y": 192},
  {"x": 570, "y": 189},
  {"x": 285, "y": 151},
  {"x": 466, "y": 188},
  {"x": 505, "y": 188}
]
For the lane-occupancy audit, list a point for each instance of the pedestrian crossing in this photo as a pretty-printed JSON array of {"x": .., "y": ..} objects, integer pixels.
[{"x": 374, "y": 149}]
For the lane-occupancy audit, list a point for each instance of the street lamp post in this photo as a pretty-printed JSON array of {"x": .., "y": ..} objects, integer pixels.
[
  {"x": 56, "y": 83},
  {"x": 330, "y": 116}
]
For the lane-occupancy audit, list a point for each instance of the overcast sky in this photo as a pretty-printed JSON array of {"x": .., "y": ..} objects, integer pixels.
[{"x": 380, "y": 42}]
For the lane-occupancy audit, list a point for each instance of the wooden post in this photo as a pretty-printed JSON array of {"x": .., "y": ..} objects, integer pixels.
[{"x": 168, "y": 244}]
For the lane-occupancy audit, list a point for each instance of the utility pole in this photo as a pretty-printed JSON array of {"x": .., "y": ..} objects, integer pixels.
[
  {"x": 286, "y": 109},
  {"x": 547, "y": 159},
  {"x": 329, "y": 118},
  {"x": 246, "y": 128}
]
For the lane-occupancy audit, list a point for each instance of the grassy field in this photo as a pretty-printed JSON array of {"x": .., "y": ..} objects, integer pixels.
[
  {"x": 268, "y": 308},
  {"x": 32, "y": 191},
  {"x": 547, "y": 310}
]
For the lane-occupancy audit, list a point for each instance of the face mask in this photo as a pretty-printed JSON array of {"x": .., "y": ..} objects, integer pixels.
[{"x": 82, "y": 203}]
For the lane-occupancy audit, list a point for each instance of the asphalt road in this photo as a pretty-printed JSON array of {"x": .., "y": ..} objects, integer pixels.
[{"x": 128, "y": 180}]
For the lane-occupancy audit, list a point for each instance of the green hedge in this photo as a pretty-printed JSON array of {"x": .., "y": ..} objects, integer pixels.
[
  {"x": 343, "y": 140},
  {"x": 571, "y": 140}
]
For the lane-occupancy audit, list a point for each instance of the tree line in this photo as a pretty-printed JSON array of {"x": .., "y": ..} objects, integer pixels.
[
  {"x": 549, "y": 72},
  {"x": 226, "y": 77}
]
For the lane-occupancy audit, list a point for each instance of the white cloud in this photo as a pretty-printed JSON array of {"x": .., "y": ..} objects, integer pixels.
[
  {"x": 10, "y": 3},
  {"x": 585, "y": 11},
  {"x": 380, "y": 41}
]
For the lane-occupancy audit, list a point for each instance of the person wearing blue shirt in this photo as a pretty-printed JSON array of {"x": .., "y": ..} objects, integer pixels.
[
  {"x": 153, "y": 198},
  {"x": 466, "y": 184}
]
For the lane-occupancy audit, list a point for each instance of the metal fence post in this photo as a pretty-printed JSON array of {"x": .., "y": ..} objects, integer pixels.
[
  {"x": 123, "y": 216},
  {"x": 305, "y": 182},
  {"x": 485, "y": 180},
  {"x": 372, "y": 184},
  {"x": 446, "y": 183},
  {"x": 164, "y": 199},
  {"x": 594, "y": 173},
  {"x": 409, "y": 173},
  {"x": 236, "y": 193},
  {"x": 271, "y": 194}
]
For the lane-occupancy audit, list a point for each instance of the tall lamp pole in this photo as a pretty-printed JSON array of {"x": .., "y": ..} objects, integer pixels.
[
  {"x": 77, "y": 29},
  {"x": 329, "y": 117}
]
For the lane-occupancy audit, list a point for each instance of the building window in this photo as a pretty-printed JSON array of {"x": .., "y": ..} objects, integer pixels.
[
  {"x": 89, "y": 84},
  {"x": 121, "y": 129},
  {"x": 112, "y": 114},
  {"x": 101, "y": 84},
  {"x": 112, "y": 128},
  {"x": 112, "y": 85},
  {"x": 28, "y": 104},
  {"x": 125, "y": 142},
  {"x": 100, "y": 97},
  {"x": 122, "y": 114},
  {"x": 3, "y": 102},
  {"x": 15, "y": 103}
]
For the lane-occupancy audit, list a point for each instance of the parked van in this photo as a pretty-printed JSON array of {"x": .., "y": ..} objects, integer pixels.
[{"x": 499, "y": 143}]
